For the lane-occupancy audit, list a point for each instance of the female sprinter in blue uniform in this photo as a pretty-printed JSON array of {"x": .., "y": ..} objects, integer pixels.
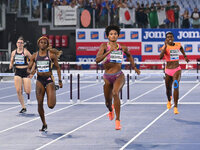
[
  {"x": 45, "y": 82},
  {"x": 111, "y": 54},
  {"x": 19, "y": 58}
]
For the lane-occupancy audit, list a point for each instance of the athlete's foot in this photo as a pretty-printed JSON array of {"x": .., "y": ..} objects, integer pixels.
[
  {"x": 23, "y": 110},
  {"x": 169, "y": 105},
  {"x": 176, "y": 110},
  {"x": 44, "y": 128},
  {"x": 117, "y": 125},
  {"x": 111, "y": 114}
]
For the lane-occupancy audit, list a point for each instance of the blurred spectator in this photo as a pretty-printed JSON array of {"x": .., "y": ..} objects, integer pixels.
[
  {"x": 104, "y": 13},
  {"x": 57, "y": 3},
  {"x": 35, "y": 9},
  {"x": 47, "y": 5},
  {"x": 153, "y": 17},
  {"x": 73, "y": 3},
  {"x": 186, "y": 22},
  {"x": 97, "y": 13},
  {"x": 176, "y": 9},
  {"x": 169, "y": 14},
  {"x": 25, "y": 5},
  {"x": 114, "y": 13},
  {"x": 64, "y": 2},
  {"x": 161, "y": 17},
  {"x": 195, "y": 18},
  {"x": 143, "y": 17}
]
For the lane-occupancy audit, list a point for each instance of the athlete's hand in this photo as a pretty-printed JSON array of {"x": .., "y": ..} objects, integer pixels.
[
  {"x": 10, "y": 67},
  {"x": 137, "y": 71},
  {"x": 60, "y": 84},
  {"x": 111, "y": 49},
  {"x": 31, "y": 76},
  {"x": 186, "y": 59},
  {"x": 166, "y": 42}
]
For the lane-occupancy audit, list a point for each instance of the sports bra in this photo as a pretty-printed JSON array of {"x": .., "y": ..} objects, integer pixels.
[
  {"x": 20, "y": 59},
  {"x": 43, "y": 63},
  {"x": 172, "y": 52},
  {"x": 116, "y": 56}
]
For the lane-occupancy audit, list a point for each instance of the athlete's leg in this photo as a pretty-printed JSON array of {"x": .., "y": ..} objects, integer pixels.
[
  {"x": 40, "y": 91},
  {"x": 168, "y": 84},
  {"x": 176, "y": 80},
  {"x": 117, "y": 86},
  {"x": 108, "y": 94},
  {"x": 18, "y": 86},
  {"x": 27, "y": 86},
  {"x": 51, "y": 95}
]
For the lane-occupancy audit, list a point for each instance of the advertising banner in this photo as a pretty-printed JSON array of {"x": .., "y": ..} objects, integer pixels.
[
  {"x": 144, "y": 44},
  {"x": 65, "y": 15}
]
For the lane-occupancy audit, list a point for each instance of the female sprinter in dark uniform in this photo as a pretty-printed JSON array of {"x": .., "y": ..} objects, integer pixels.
[
  {"x": 111, "y": 54},
  {"x": 19, "y": 58},
  {"x": 45, "y": 82},
  {"x": 173, "y": 70}
]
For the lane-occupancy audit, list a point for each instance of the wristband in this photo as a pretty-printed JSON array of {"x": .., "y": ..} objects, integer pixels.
[{"x": 60, "y": 81}]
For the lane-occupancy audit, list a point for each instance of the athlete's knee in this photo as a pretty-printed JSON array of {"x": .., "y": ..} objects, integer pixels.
[
  {"x": 19, "y": 91},
  {"x": 176, "y": 84},
  {"x": 51, "y": 106},
  {"x": 115, "y": 93}
]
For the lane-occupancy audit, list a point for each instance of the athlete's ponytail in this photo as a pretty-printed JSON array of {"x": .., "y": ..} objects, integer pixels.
[
  {"x": 55, "y": 51},
  {"x": 49, "y": 47}
]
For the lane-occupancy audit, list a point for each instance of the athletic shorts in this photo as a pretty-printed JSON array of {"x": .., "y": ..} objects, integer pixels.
[
  {"x": 112, "y": 77},
  {"x": 22, "y": 72},
  {"x": 171, "y": 72},
  {"x": 44, "y": 80}
]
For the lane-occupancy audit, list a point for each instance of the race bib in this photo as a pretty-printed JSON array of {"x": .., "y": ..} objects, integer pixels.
[
  {"x": 43, "y": 66},
  {"x": 174, "y": 54},
  {"x": 116, "y": 56},
  {"x": 19, "y": 59}
]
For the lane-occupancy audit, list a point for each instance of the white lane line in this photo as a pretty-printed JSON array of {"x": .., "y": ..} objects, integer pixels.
[
  {"x": 44, "y": 99},
  {"x": 10, "y": 108},
  {"x": 147, "y": 92},
  {"x": 149, "y": 125},
  {"x": 5, "y": 88},
  {"x": 46, "y": 115},
  {"x": 53, "y": 141}
]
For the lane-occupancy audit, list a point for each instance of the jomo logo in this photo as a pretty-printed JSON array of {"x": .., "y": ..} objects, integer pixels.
[
  {"x": 134, "y": 35},
  {"x": 188, "y": 47},
  {"x": 122, "y": 35},
  {"x": 81, "y": 35},
  {"x": 148, "y": 48},
  {"x": 154, "y": 35},
  {"x": 160, "y": 47},
  {"x": 188, "y": 35},
  {"x": 94, "y": 35}
]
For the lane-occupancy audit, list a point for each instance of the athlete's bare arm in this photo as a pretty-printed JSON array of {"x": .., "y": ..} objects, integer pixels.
[
  {"x": 101, "y": 55},
  {"x": 31, "y": 63},
  {"x": 183, "y": 52},
  {"x": 130, "y": 58},
  {"x": 12, "y": 59},
  {"x": 55, "y": 61}
]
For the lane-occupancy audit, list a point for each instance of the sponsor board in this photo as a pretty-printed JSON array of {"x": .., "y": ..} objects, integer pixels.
[
  {"x": 91, "y": 48},
  {"x": 179, "y": 34},
  {"x": 99, "y": 35},
  {"x": 91, "y": 58}
]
